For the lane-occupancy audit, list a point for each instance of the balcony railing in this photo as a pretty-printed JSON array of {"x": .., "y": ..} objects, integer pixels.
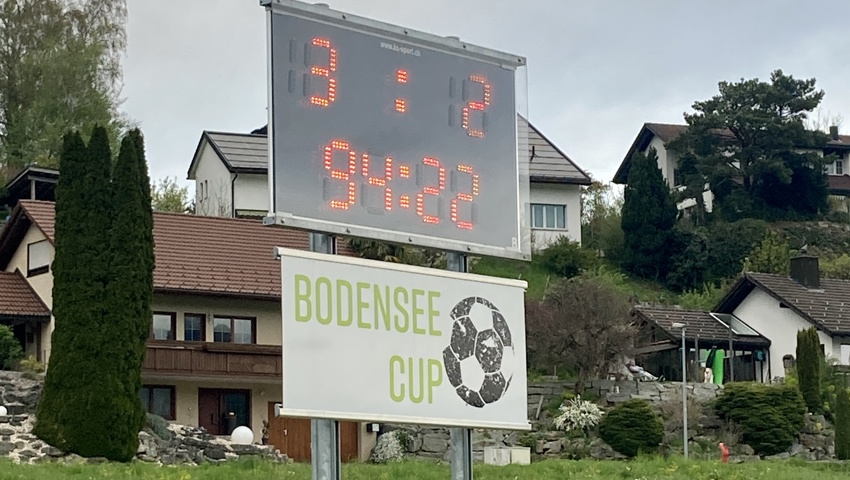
[{"x": 216, "y": 359}]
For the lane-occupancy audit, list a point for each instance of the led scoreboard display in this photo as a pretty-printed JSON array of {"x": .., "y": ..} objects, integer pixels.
[{"x": 382, "y": 133}]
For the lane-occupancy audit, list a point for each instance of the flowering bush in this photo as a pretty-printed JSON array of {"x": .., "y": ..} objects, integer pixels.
[
  {"x": 390, "y": 447},
  {"x": 578, "y": 414}
]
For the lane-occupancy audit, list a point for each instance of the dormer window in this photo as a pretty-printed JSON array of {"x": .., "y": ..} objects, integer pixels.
[{"x": 38, "y": 258}]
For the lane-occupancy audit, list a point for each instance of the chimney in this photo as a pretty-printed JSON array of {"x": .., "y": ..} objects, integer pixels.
[
  {"x": 833, "y": 132},
  {"x": 805, "y": 271}
]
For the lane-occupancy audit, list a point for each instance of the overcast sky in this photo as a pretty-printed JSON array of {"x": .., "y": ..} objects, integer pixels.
[{"x": 597, "y": 69}]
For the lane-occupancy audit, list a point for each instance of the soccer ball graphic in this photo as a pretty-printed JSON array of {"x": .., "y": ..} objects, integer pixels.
[{"x": 480, "y": 357}]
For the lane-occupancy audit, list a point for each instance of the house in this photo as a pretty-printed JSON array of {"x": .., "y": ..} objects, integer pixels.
[
  {"x": 32, "y": 183},
  {"x": 658, "y": 344},
  {"x": 658, "y": 135},
  {"x": 215, "y": 344},
  {"x": 779, "y": 306},
  {"x": 230, "y": 174}
]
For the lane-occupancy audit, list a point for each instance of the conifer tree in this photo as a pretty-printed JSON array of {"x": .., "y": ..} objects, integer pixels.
[
  {"x": 842, "y": 425},
  {"x": 79, "y": 378},
  {"x": 649, "y": 214},
  {"x": 808, "y": 368}
]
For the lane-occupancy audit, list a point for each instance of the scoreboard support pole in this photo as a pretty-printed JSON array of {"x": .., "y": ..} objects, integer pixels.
[
  {"x": 461, "y": 456},
  {"x": 324, "y": 434}
]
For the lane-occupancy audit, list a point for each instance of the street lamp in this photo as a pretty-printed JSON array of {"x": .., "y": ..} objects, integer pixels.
[{"x": 684, "y": 387}]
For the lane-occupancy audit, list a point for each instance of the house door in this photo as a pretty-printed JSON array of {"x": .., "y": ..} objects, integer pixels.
[
  {"x": 292, "y": 437},
  {"x": 220, "y": 410}
]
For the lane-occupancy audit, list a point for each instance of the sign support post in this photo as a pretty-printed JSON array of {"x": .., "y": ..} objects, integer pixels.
[
  {"x": 324, "y": 434},
  {"x": 461, "y": 455}
]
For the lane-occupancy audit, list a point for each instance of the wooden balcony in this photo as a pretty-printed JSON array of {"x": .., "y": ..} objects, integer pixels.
[{"x": 212, "y": 359}]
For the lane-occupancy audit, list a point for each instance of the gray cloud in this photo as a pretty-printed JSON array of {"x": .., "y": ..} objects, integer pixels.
[{"x": 597, "y": 70}]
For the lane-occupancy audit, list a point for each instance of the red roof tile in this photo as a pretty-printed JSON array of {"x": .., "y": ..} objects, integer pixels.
[
  {"x": 839, "y": 184},
  {"x": 18, "y": 299},
  {"x": 214, "y": 255},
  {"x": 699, "y": 324}
]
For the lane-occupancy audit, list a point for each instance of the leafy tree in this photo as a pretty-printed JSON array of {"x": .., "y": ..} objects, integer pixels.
[
  {"x": 709, "y": 255},
  {"x": 168, "y": 196},
  {"x": 583, "y": 322},
  {"x": 81, "y": 373},
  {"x": 103, "y": 285},
  {"x": 59, "y": 70},
  {"x": 842, "y": 425},
  {"x": 601, "y": 218},
  {"x": 838, "y": 267},
  {"x": 809, "y": 360},
  {"x": 648, "y": 216},
  {"x": 772, "y": 256},
  {"x": 632, "y": 427},
  {"x": 751, "y": 145},
  {"x": 10, "y": 348},
  {"x": 566, "y": 258}
]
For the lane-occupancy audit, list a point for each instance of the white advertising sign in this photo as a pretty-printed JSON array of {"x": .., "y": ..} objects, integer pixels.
[{"x": 382, "y": 342}]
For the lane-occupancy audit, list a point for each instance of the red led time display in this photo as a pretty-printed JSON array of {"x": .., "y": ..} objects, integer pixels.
[{"x": 387, "y": 135}]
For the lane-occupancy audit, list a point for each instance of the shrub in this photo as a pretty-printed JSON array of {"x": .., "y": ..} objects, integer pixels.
[
  {"x": 770, "y": 416},
  {"x": 809, "y": 361},
  {"x": 10, "y": 349},
  {"x": 578, "y": 414},
  {"x": 842, "y": 425},
  {"x": 390, "y": 447},
  {"x": 566, "y": 257},
  {"x": 158, "y": 425},
  {"x": 632, "y": 427},
  {"x": 31, "y": 365}
]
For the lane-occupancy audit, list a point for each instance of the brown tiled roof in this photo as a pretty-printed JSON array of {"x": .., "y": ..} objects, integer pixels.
[
  {"x": 213, "y": 255},
  {"x": 698, "y": 323},
  {"x": 17, "y": 299},
  {"x": 839, "y": 184},
  {"x": 827, "y": 306},
  {"x": 665, "y": 131}
]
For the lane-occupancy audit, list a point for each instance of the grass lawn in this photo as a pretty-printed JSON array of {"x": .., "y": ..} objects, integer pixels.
[{"x": 644, "y": 469}]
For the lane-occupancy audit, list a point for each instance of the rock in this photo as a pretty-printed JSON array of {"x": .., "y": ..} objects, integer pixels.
[
  {"x": 796, "y": 450},
  {"x": 553, "y": 447},
  {"x": 434, "y": 444},
  {"x": 7, "y": 431},
  {"x": 7, "y": 448},
  {"x": 214, "y": 454},
  {"x": 600, "y": 450},
  {"x": 813, "y": 441},
  {"x": 27, "y": 454},
  {"x": 52, "y": 451},
  {"x": 415, "y": 445},
  {"x": 97, "y": 460}
]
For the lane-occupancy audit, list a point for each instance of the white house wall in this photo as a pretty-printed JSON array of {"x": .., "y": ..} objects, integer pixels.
[
  {"x": 42, "y": 285},
  {"x": 780, "y": 325},
  {"x": 213, "y": 194},
  {"x": 557, "y": 194},
  {"x": 252, "y": 192}
]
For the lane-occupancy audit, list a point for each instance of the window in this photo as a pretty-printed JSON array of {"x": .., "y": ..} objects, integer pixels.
[
  {"x": 206, "y": 189},
  {"x": 839, "y": 167},
  {"x": 193, "y": 327},
  {"x": 158, "y": 400},
  {"x": 38, "y": 258},
  {"x": 677, "y": 177},
  {"x": 234, "y": 330},
  {"x": 548, "y": 216},
  {"x": 735, "y": 324},
  {"x": 163, "y": 326}
]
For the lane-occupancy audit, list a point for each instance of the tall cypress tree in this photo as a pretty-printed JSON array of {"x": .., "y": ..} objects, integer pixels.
[
  {"x": 808, "y": 368},
  {"x": 649, "y": 215},
  {"x": 78, "y": 381},
  {"x": 129, "y": 292},
  {"x": 842, "y": 424}
]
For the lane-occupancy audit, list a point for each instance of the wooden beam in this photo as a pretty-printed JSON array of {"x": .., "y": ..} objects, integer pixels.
[{"x": 658, "y": 347}]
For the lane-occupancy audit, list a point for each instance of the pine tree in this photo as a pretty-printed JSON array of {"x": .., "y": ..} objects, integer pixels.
[
  {"x": 808, "y": 368},
  {"x": 649, "y": 214},
  {"x": 842, "y": 425},
  {"x": 79, "y": 379}
]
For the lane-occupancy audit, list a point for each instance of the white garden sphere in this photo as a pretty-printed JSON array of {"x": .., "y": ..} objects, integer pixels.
[
  {"x": 3, "y": 411},
  {"x": 242, "y": 436}
]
